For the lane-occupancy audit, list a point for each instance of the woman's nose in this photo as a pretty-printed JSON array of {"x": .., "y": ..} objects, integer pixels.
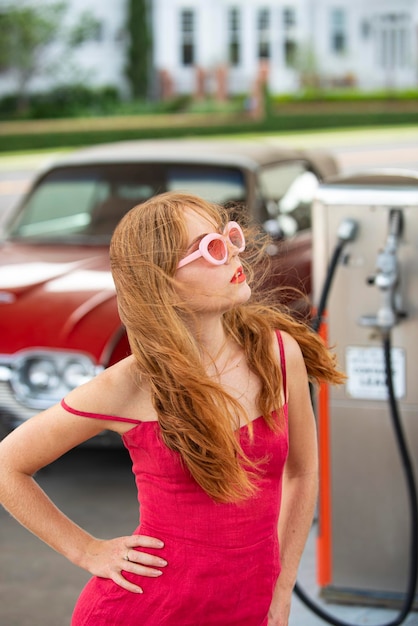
[{"x": 232, "y": 251}]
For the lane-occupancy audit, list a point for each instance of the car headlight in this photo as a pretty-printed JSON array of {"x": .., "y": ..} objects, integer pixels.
[
  {"x": 40, "y": 375},
  {"x": 41, "y": 378},
  {"x": 76, "y": 373}
]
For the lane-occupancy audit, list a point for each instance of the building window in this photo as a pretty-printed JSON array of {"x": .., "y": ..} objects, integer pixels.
[
  {"x": 263, "y": 24},
  {"x": 338, "y": 31},
  {"x": 290, "y": 44},
  {"x": 121, "y": 35},
  {"x": 403, "y": 47},
  {"x": 289, "y": 17},
  {"x": 394, "y": 41},
  {"x": 234, "y": 36},
  {"x": 290, "y": 51},
  {"x": 365, "y": 29},
  {"x": 187, "y": 18}
]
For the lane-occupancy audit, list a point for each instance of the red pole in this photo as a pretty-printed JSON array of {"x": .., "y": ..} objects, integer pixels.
[{"x": 324, "y": 539}]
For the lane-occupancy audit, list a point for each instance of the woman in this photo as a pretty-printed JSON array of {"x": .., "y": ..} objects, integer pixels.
[{"x": 213, "y": 405}]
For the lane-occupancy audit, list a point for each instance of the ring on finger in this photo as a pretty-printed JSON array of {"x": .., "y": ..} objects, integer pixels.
[{"x": 126, "y": 557}]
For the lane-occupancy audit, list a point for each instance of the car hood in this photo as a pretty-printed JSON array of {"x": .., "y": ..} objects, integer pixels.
[{"x": 49, "y": 296}]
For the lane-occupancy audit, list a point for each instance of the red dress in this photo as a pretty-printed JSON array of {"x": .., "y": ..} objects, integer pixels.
[{"x": 223, "y": 559}]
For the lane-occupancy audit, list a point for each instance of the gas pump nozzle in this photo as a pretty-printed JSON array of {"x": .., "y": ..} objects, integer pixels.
[
  {"x": 347, "y": 231},
  {"x": 387, "y": 278}
]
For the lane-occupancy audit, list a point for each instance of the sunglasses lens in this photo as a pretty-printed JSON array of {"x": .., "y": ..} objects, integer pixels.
[
  {"x": 217, "y": 249},
  {"x": 235, "y": 237}
]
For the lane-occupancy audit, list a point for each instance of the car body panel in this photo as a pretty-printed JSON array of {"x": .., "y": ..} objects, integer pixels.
[{"x": 55, "y": 296}]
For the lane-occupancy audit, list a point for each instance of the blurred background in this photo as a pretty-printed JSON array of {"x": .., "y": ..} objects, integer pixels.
[
  {"x": 339, "y": 77},
  {"x": 261, "y": 66}
]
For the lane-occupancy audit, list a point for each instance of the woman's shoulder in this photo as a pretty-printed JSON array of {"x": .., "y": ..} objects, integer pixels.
[
  {"x": 290, "y": 345},
  {"x": 111, "y": 392},
  {"x": 294, "y": 360}
]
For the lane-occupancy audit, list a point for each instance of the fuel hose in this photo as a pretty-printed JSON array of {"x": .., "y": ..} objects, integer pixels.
[{"x": 400, "y": 438}]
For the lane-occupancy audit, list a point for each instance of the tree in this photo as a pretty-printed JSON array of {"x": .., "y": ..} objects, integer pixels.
[
  {"x": 139, "y": 47},
  {"x": 28, "y": 32}
]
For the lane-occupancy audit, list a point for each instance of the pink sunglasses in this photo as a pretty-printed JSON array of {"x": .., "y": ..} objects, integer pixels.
[{"x": 214, "y": 247}]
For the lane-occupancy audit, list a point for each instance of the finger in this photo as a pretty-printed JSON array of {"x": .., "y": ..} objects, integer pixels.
[
  {"x": 143, "y": 558},
  {"x": 140, "y": 570},
  {"x": 143, "y": 541},
  {"x": 126, "y": 584}
]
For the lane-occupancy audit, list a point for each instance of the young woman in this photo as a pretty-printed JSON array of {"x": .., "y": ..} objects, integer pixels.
[{"x": 214, "y": 407}]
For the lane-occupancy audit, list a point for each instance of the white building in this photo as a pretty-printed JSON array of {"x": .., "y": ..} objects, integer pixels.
[
  {"x": 220, "y": 46},
  {"x": 372, "y": 44}
]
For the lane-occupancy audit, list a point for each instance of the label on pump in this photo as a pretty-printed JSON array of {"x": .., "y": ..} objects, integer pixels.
[{"x": 365, "y": 368}]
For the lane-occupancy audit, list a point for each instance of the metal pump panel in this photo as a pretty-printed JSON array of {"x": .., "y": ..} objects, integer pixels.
[{"x": 375, "y": 291}]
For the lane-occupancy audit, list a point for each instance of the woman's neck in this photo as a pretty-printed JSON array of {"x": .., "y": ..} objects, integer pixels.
[{"x": 219, "y": 351}]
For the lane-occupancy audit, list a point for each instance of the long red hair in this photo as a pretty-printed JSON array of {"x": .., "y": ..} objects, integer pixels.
[{"x": 197, "y": 417}]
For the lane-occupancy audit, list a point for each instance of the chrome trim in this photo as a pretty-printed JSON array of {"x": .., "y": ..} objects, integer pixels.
[
  {"x": 11, "y": 366},
  {"x": 6, "y": 297},
  {"x": 357, "y": 195}
]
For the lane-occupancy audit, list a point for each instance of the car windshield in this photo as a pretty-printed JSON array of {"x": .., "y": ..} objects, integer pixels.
[{"x": 84, "y": 203}]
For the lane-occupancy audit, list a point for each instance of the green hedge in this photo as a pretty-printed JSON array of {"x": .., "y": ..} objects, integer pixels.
[
  {"x": 61, "y": 102},
  {"x": 81, "y": 101},
  {"x": 347, "y": 95},
  {"x": 272, "y": 124}
]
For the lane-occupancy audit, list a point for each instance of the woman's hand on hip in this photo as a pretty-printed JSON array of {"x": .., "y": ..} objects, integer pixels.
[{"x": 110, "y": 558}]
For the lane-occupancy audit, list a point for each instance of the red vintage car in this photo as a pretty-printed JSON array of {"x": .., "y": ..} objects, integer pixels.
[{"x": 59, "y": 323}]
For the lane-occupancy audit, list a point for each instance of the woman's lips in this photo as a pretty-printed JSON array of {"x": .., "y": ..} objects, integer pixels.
[{"x": 239, "y": 276}]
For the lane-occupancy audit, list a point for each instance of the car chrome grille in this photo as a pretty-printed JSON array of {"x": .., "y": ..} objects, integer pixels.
[{"x": 9, "y": 406}]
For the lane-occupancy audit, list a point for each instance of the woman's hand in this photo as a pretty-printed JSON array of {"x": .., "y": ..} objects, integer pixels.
[
  {"x": 279, "y": 615},
  {"x": 280, "y": 606},
  {"x": 109, "y": 558}
]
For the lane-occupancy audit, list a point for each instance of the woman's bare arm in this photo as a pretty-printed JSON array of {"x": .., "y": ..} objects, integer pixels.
[
  {"x": 300, "y": 482},
  {"x": 37, "y": 443}
]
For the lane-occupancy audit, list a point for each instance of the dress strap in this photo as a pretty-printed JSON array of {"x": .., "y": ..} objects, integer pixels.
[
  {"x": 282, "y": 361},
  {"x": 98, "y": 416}
]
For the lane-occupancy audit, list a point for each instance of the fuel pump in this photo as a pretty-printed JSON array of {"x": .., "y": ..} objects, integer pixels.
[
  {"x": 387, "y": 279},
  {"x": 366, "y": 548}
]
